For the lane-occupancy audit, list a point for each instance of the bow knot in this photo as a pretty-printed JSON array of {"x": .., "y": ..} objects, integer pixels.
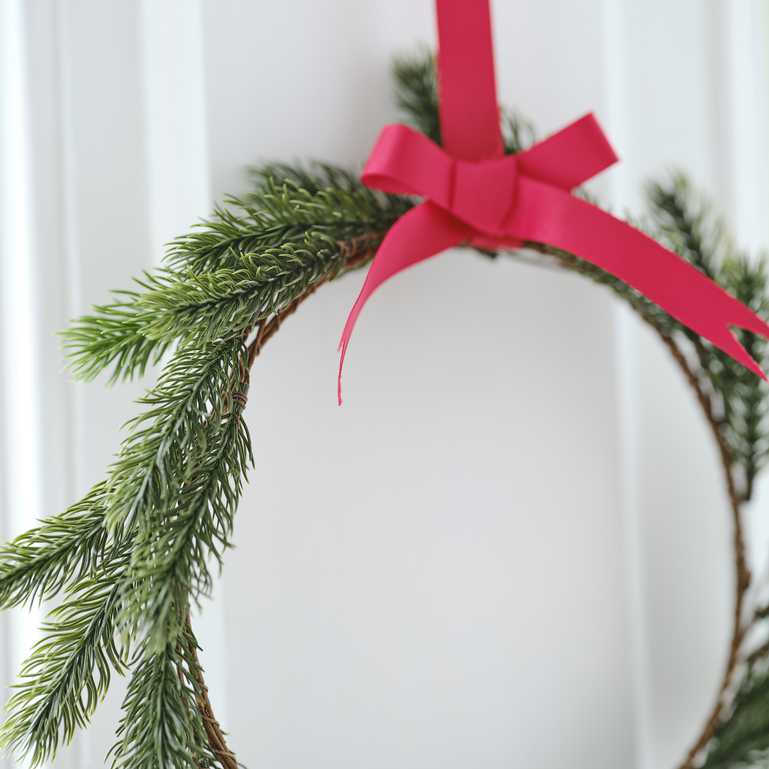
[
  {"x": 484, "y": 193},
  {"x": 480, "y": 193}
]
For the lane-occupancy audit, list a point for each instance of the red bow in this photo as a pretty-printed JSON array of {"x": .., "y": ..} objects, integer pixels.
[{"x": 475, "y": 194}]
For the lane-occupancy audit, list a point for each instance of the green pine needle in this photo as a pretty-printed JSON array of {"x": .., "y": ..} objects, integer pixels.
[
  {"x": 686, "y": 222},
  {"x": 69, "y": 670},
  {"x": 234, "y": 269},
  {"x": 176, "y": 539},
  {"x": 742, "y": 740},
  {"x": 65, "y": 548},
  {"x": 161, "y": 727}
]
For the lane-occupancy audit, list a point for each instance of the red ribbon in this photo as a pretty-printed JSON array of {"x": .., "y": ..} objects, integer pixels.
[{"x": 476, "y": 194}]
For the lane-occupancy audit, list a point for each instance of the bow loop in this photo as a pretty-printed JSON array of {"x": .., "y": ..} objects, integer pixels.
[
  {"x": 571, "y": 156},
  {"x": 406, "y": 162}
]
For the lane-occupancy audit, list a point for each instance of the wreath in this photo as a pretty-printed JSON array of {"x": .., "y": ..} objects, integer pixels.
[{"x": 131, "y": 558}]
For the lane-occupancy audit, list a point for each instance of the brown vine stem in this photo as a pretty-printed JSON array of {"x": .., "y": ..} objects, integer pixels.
[
  {"x": 742, "y": 572},
  {"x": 214, "y": 732},
  {"x": 357, "y": 252}
]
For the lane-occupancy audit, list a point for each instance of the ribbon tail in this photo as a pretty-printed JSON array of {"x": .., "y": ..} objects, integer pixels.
[
  {"x": 422, "y": 232},
  {"x": 569, "y": 157},
  {"x": 547, "y": 215}
]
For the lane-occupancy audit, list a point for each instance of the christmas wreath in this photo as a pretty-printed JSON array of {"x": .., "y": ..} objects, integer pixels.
[{"x": 131, "y": 558}]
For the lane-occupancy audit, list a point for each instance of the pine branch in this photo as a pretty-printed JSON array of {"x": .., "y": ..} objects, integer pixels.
[
  {"x": 246, "y": 259},
  {"x": 171, "y": 495},
  {"x": 69, "y": 670},
  {"x": 176, "y": 541},
  {"x": 61, "y": 551},
  {"x": 114, "y": 336},
  {"x": 518, "y": 131},
  {"x": 313, "y": 207},
  {"x": 152, "y": 463},
  {"x": 745, "y": 398},
  {"x": 49, "y": 705},
  {"x": 416, "y": 92},
  {"x": 139, "y": 738},
  {"x": 686, "y": 222},
  {"x": 741, "y": 740},
  {"x": 162, "y": 726},
  {"x": 213, "y": 305},
  {"x": 315, "y": 178}
]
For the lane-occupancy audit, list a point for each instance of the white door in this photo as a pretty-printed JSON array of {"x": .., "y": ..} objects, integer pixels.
[{"x": 510, "y": 546}]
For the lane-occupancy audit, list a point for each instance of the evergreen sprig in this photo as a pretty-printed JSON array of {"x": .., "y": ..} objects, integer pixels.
[
  {"x": 153, "y": 460},
  {"x": 63, "y": 549},
  {"x": 238, "y": 267},
  {"x": 212, "y": 305},
  {"x": 416, "y": 94},
  {"x": 177, "y": 538},
  {"x": 137, "y": 552},
  {"x": 686, "y": 222},
  {"x": 170, "y": 497},
  {"x": 315, "y": 207},
  {"x": 742, "y": 738},
  {"x": 114, "y": 337},
  {"x": 70, "y": 668},
  {"x": 162, "y": 725},
  {"x": 745, "y": 398}
]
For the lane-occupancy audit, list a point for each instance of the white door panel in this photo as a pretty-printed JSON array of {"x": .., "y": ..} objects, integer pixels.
[{"x": 510, "y": 546}]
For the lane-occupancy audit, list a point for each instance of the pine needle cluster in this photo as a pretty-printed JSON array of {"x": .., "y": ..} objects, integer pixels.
[
  {"x": 134, "y": 555},
  {"x": 742, "y": 738},
  {"x": 136, "y": 552}
]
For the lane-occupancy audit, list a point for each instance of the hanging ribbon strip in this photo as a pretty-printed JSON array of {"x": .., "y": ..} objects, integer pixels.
[{"x": 475, "y": 194}]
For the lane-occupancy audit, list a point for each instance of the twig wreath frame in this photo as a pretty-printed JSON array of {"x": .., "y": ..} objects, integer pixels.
[{"x": 130, "y": 558}]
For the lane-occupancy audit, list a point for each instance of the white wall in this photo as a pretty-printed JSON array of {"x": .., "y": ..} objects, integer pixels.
[
  {"x": 690, "y": 95},
  {"x": 509, "y": 546}
]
